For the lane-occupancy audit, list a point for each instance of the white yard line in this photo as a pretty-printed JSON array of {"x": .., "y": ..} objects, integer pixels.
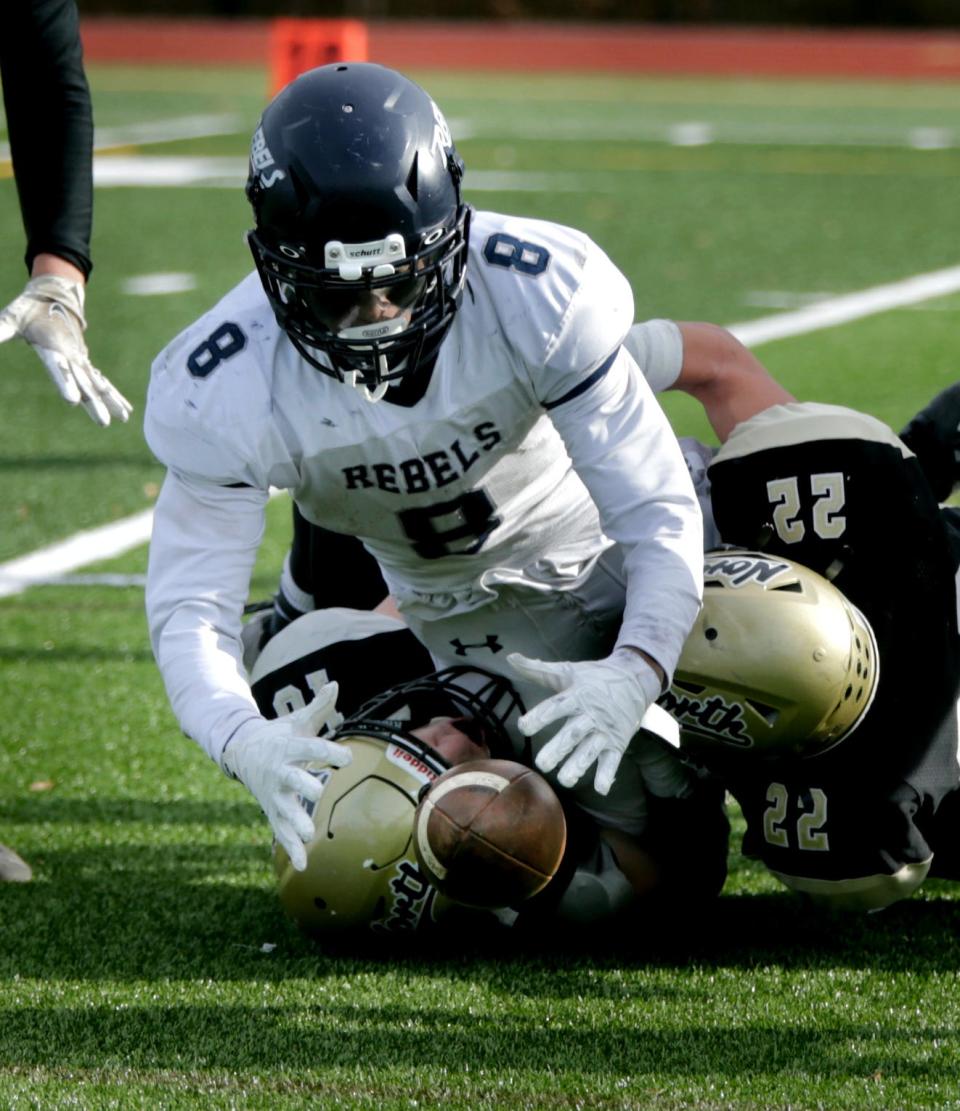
[
  {"x": 53, "y": 562},
  {"x": 849, "y": 306},
  {"x": 76, "y": 551},
  {"x": 158, "y": 131},
  {"x": 146, "y": 171},
  {"x": 166, "y": 131}
]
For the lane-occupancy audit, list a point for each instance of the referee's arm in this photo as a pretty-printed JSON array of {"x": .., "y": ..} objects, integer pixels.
[{"x": 50, "y": 124}]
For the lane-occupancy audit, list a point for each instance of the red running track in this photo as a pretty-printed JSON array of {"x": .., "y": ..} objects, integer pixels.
[{"x": 542, "y": 47}]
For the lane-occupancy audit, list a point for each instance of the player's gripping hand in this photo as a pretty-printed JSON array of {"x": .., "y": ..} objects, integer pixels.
[
  {"x": 49, "y": 316},
  {"x": 265, "y": 757},
  {"x": 602, "y": 701}
]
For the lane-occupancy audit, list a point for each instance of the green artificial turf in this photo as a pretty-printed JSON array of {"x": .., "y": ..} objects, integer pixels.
[{"x": 149, "y": 965}]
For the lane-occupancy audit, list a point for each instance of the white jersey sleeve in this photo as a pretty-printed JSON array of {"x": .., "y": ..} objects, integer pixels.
[
  {"x": 195, "y": 602},
  {"x": 657, "y": 349},
  {"x": 627, "y": 456},
  {"x": 208, "y": 419},
  {"x": 614, "y": 431},
  {"x": 211, "y": 407}
]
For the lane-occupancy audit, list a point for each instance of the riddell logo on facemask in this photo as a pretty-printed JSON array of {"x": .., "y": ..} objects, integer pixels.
[
  {"x": 402, "y": 758},
  {"x": 709, "y": 717}
]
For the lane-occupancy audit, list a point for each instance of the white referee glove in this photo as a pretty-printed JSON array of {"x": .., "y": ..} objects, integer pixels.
[
  {"x": 265, "y": 759},
  {"x": 49, "y": 316},
  {"x": 603, "y": 702}
]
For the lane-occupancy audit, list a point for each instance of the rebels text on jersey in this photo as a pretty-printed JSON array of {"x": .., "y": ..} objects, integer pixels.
[
  {"x": 838, "y": 492},
  {"x": 506, "y": 459}
]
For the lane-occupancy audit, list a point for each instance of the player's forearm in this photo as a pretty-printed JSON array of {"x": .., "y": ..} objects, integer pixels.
[
  {"x": 58, "y": 267},
  {"x": 50, "y": 125},
  {"x": 204, "y": 545},
  {"x": 725, "y": 377},
  {"x": 204, "y": 679},
  {"x": 626, "y": 454}
]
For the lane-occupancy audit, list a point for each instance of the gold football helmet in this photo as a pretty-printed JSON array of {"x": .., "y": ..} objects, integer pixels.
[
  {"x": 362, "y": 872},
  {"x": 777, "y": 663}
]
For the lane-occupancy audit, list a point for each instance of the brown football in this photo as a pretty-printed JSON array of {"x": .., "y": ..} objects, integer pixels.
[{"x": 490, "y": 833}]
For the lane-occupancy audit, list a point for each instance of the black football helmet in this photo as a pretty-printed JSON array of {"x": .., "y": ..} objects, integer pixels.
[{"x": 361, "y": 229}]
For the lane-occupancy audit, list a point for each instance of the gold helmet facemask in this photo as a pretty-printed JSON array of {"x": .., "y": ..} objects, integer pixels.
[{"x": 777, "y": 663}]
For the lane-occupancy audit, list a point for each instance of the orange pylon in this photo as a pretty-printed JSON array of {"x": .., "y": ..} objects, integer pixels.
[{"x": 300, "y": 44}]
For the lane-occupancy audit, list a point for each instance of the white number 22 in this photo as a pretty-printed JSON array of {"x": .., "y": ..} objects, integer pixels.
[
  {"x": 829, "y": 498},
  {"x": 810, "y": 833}
]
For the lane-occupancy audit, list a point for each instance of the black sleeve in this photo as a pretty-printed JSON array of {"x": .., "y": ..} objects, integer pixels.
[
  {"x": 336, "y": 569},
  {"x": 50, "y": 123},
  {"x": 933, "y": 436},
  {"x": 688, "y": 838}
]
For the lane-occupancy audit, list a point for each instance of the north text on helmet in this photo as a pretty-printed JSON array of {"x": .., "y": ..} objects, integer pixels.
[
  {"x": 710, "y": 716},
  {"x": 735, "y": 571}
]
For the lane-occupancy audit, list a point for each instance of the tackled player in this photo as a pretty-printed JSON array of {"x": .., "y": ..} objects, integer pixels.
[
  {"x": 794, "y": 685},
  {"x": 821, "y": 680},
  {"x": 362, "y": 873}
]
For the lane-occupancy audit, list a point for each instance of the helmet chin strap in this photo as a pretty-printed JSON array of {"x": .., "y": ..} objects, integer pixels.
[
  {"x": 363, "y": 331},
  {"x": 350, "y": 378}
]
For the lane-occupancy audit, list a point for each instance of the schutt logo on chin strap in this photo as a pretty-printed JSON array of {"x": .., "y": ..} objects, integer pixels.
[{"x": 491, "y": 642}]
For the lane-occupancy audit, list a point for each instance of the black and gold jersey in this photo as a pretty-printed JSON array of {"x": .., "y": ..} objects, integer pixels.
[{"x": 837, "y": 491}]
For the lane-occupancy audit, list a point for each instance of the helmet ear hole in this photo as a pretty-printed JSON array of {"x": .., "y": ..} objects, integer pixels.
[{"x": 768, "y": 713}]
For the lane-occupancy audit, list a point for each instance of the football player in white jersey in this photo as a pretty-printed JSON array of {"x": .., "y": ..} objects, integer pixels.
[{"x": 452, "y": 388}]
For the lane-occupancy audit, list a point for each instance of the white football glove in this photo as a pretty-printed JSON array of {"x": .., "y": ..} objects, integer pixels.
[
  {"x": 603, "y": 702},
  {"x": 265, "y": 759},
  {"x": 49, "y": 316}
]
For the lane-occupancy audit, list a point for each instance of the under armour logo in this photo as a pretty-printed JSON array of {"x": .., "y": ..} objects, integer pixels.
[{"x": 491, "y": 642}]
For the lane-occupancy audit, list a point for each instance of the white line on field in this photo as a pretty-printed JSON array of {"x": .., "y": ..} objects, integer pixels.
[
  {"x": 106, "y": 578},
  {"x": 158, "y": 131},
  {"x": 849, "y": 306},
  {"x": 57, "y": 560},
  {"x": 76, "y": 551},
  {"x": 167, "y": 131},
  {"x": 50, "y": 564}
]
